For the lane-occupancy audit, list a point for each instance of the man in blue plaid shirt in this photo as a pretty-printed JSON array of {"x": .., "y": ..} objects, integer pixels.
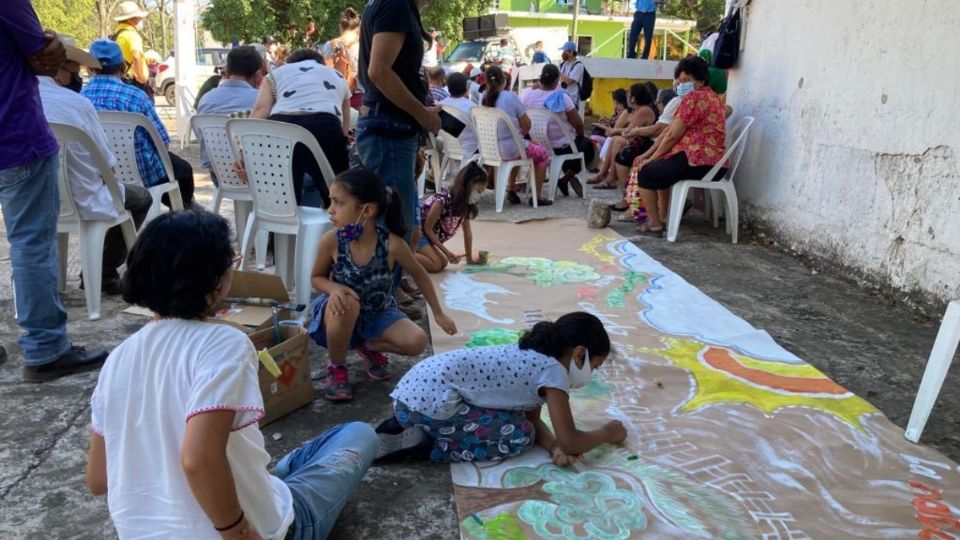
[{"x": 108, "y": 92}]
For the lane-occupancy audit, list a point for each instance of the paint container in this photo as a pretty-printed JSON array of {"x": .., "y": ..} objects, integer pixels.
[{"x": 484, "y": 257}]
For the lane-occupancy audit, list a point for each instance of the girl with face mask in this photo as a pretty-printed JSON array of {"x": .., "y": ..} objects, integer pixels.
[
  {"x": 443, "y": 215},
  {"x": 484, "y": 403},
  {"x": 355, "y": 270}
]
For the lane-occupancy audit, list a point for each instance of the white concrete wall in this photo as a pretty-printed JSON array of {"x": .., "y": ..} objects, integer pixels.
[{"x": 854, "y": 152}]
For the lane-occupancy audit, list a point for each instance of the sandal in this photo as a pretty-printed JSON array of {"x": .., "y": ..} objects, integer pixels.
[
  {"x": 618, "y": 208},
  {"x": 596, "y": 179},
  {"x": 627, "y": 218},
  {"x": 645, "y": 230}
]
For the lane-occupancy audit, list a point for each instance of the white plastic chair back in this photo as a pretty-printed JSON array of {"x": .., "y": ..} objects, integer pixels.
[
  {"x": 69, "y": 135},
  {"x": 268, "y": 156},
  {"x": 185, "y": 112},
  {"x": 212, "y": 129},
  {"x": 486, "y": 121},
  {"x": 736, "y": 143},
  {"x": 540, "y": 119}
]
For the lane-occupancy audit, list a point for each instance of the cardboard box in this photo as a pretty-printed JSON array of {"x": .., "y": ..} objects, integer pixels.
[
  {"x": 293, "y": 389},
  {"x": 250, "y": 294}
]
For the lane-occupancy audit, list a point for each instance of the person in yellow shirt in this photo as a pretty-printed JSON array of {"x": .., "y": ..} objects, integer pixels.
[{"x": 130, "y": 18}]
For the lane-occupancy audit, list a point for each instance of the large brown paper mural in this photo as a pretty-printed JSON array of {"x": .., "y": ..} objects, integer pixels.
[{"x": 730, "y": 435}]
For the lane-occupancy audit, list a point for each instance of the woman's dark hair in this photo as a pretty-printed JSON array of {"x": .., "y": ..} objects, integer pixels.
[
  {"x": 463, "y": 186},
  {"x": 640, "y": 94},
  {"x": 300, "y": 55},
  {"x": 569, "y": 331},
  {"x": 695, "y": 67},
  {"x": 652, "y": 88},
  {"x": 349, "y": 20},
  {"x": 457, "y": 84},
  {"x": 365, "y": 186},
  {"x": 177, "y": 262},
  {"x": 620, "y": 96},
  {"x": 666, "y": 95},
  {"x": 495, "y": 82},
  {"x": 549, "y": 76}
]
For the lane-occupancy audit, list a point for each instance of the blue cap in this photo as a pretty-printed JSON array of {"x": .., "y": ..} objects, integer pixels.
[
  {"x": 569, "y": 46},
  {"x": 107, "y": 52}
]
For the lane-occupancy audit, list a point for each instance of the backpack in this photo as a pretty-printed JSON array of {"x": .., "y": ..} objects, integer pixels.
[
  {"x": 147, "y": 87},
  {"x": 586, "y": 85},
  {"x": 726, "y": 51}
]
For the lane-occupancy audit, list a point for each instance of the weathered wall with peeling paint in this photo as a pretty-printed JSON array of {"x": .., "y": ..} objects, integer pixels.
[{"x": 854, "y": 153}]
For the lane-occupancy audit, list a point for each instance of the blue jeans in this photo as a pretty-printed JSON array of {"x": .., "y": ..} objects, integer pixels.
[
  {"x": 30, "y": 200},
  {"x": 323, "y": 473},
  {"x": 394, "y": 160},
  {"x": 641, "y": 21}
]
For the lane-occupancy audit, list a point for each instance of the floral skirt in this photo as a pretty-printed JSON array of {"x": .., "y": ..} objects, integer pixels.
[
  {"x": 473, "y": 433},
  {"x": 632, "y": 195}
]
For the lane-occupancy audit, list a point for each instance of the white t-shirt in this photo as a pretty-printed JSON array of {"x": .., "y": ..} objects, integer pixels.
[
  {"x": 430, "y": 55},
  {"x": 149, "y": 387},
  {"x": 667, "y": 116},
  {"x": 502, "y": 377},
  {"x": 64, "y": 106},
  {"x": 536, "y": 97},
  {"x": 575, "y": 72},
  {"x": 309, "y": 87},
  {"x": 468, "y": 137}
]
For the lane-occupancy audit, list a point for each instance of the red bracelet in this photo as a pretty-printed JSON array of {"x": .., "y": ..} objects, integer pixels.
[{"x": 230, "y": 526}]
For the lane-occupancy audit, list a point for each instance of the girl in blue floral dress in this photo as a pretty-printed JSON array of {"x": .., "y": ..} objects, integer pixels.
[{"x": 356, "y": 270}]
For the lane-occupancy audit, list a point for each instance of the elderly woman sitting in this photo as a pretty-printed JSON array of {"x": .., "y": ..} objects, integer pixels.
[{"x": 690, "y": 147}]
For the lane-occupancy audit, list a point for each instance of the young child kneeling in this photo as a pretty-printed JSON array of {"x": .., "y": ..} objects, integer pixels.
[
  {"x": 484, "y": 403},
  {"x": 356, "y": 271},
  {"x": 175, "y": 443},
  {"x": 444, "y": 213}
]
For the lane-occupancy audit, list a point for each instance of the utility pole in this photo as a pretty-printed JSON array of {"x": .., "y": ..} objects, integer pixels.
[{"x": 576, "y": 15}]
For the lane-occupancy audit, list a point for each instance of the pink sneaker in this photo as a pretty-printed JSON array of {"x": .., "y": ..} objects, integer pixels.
[
  {"x": 377, "y": 363},
  {"x": 338, "y": 384}
]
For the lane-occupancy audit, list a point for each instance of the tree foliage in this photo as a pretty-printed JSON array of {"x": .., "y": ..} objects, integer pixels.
[
  {"x": 707, "y": 13},
  {"x": 250, "y": 20},
  {"x": 77, "y": 18}
]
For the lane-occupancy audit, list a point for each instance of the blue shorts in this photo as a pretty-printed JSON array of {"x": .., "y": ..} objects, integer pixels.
[
  {"x": 422, "y": 242},
  {"x": 369, "y": 326}
]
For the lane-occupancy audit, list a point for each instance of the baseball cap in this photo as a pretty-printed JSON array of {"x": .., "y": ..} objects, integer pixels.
[
  {"x": 475, "y": 72},
  {"x": 569, "y": 46},
  {"x": 107, "y": 52}
]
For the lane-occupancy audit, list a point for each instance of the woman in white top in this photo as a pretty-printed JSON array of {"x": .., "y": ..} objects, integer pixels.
[
  {"x": 498, "y": 96},
  {"x": 483, "y": 404},
  {"x": 551, "y": 97},
  {"x": 175, "y": 443},
  {"x": 309, "y": 94}
]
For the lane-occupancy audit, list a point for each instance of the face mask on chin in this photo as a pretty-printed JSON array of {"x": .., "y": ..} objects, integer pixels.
[
  {"x": 474, "y": 197},
  {"x": 352, "y": 231}
]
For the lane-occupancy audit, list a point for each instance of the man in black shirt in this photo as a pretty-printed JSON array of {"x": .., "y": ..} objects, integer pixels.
[{"x": 393, "y": 113}]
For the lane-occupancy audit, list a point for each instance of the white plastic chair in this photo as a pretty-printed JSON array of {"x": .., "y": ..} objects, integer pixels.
[
  {"x": 452, "y": 148},
  {"x": 736, "y": 138},
  {"x": 432, "y": 163},
  {"x": 941, "y": 356},
  {"x": 485, "y": 121},
  {"x": 268, "y": 157},
  {"x": 91, "y": 233},
  {"x": 540, "y": 119},
  {"x": 185, "y": 112},
  {"x": 212, "y": 130},
  {"x": 120, "y": 128}
]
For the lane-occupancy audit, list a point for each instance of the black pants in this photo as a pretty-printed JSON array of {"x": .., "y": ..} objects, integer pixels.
[
  {"x": 664, "y": 173},
  {"x": 642, "y": 21},
  {"x": 630, "y": 152},
  {"x": 328, "y": 130},
  {"x": 137, "y": 200},
  {"x": 183, "y": 173},
  {"x": 584, "y": 145}
]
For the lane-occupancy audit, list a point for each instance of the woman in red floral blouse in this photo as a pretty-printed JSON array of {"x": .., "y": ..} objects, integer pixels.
[{"x": 691, "y": 146}]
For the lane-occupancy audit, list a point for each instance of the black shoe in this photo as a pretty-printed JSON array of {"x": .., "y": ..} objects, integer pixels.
[
  {"x": 75, "y": 360},
  {"x": 390, "y": 426},
  {"x": 410, "y": 444},
  {"x": 562, "y": 186},
  {"x": 540, "y": 202},
  {"x": 577, "y": 186},
  {"x": 513, "y": 198}
]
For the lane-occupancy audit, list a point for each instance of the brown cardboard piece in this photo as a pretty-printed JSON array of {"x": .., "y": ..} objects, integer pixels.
[
  {"x": 254, "y": 285},
  {"x": 293, "y": 388}
]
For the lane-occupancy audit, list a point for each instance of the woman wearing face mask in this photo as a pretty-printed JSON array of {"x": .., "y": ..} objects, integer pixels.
[
  {"x": 689, "y": 148},
  {"x": 444, "y": 213},
  {"x": 484, "y": 403}
]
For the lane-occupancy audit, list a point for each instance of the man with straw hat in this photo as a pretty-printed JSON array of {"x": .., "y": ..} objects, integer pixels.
[
  {"x": 130, "y": 18},
  {"x": 69, "y": 74}
]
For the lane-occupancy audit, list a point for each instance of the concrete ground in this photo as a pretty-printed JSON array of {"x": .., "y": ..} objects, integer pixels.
[{"x": 854, "y": 336}]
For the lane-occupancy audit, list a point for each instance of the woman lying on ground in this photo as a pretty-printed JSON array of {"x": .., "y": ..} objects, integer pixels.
[
  {"x": 175, "y": 443},
  {"x": 484, "y": 403}
]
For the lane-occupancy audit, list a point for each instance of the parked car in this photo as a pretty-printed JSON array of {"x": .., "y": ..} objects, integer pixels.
[
  {"x": 210, "y": 61},
  {"x": 478, "y": 51}
]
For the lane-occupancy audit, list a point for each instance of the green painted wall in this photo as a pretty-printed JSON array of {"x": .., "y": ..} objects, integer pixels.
[
  {"x": 600, "y": 31},
  {"x": 546, "y": 6}
]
